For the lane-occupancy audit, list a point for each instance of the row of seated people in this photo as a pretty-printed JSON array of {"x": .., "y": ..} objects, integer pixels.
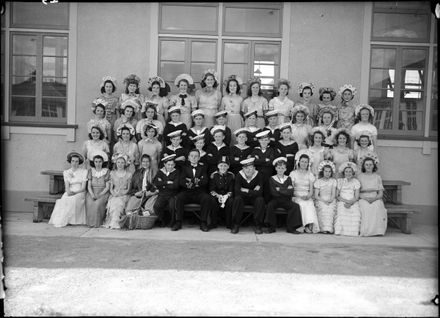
[{"x": 345, "y": 206}]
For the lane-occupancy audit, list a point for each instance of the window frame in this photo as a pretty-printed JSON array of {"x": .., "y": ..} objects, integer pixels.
[{"x": 38, "y": 26}]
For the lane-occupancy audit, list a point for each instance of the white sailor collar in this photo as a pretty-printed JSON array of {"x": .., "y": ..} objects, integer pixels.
[{"x": 245, "y": 178}]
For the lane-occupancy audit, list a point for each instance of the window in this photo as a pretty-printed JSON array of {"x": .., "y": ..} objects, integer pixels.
[
  {"x": 38, "y": 64},
  {"x": 398, "y": 72},
  {"x": 434, "y": 97}
]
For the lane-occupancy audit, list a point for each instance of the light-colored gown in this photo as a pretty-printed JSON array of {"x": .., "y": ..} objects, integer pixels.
[
  {"x": 326, "y": 212},
  {"x": 209, "y": 103},
  {"x": 90, "y": 147},
  {"x": 153, "y": 148},
  {"x": 232, "y": 104},
  {"x": 317, "y": 155},
  {"x": 300, "y": 133},
  {"x": 345, "y": 117},
  {"x": 139, "y": 98},
  {"x": 341, "y": 155},
  {"x": 95, "y": 209},
  {"x": 347, "y": 221},
  {"x": 131, "y": 150},
  {"x": 283, "y": 107},
  {"x": 161, "y": 104},
  {"x": 301, "y": 185},
  {"x": 116, "y": 204},
  {"x": 261, "y": 106},
  {"x": 71, "y": 209},
  {"x": 185, "y": 110},
  {"x": 111, "y": 108},
  {"x": 373, "y": 215}
]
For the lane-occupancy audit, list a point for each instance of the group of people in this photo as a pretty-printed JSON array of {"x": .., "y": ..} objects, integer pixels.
[{"x": 316, "y": 161}]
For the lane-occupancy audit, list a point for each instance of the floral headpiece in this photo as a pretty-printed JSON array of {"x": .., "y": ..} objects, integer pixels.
[
  {"x": 303, "y": 85},
  {"x": 324, "y": 163},
  {"x": 158, "y": 79},
  {"x": 363, "y": 133},
  {"x": 185, "y": 77},
  {"x": 100, "y": 153},
  {"x": 132, "y": 103},
  {"x": 320, "y": 129},
  {"x": 98, "y": 101},
  {"x": 108, "y": 78},
  {"x": 233, "y": 77},
  {"x": 347, "y": 164},
  {"x": 303, "y": 152},
  {"x": 327, "y": 109},
  {"x": 369, "y": 155},
  {"x": 337, "y": 133},
  {"x": 116, "y": 156},
  {"x": 132, "y": 78},
  {"x": 349, "y": 87},
  {"x": 127, "y": 125},
  {"x": 362, "y": 106},
  {"x": 210, "y": 71},
  {"x": 282, "y": 81},
  {"x": 302, "y": 108},
  {"x": 254, "y": 80},
  {"x": 329, "y": 90}
]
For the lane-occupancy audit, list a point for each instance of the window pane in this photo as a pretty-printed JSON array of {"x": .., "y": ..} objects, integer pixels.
[
  {"x": 24, "y": 86},
  {"x": 170, "y": 70},
  {"x": 172, "y": 50},
  {"x": 405, "y": 27},
  {"x": 414, "y": 58},
  {"x": 197, "y": 70},
  {"x": 267, "y": 52},
  {"x": 412, "y": 80},
  {"x": 203, "y": 51},
  {"x": 200, "y": 19},
  {"x": 399, "y": 5},
  {"x": 383, "y": 58},
  {"x": 263, "y": 69},
  {"x": 434, "y": 95},
  {"x": 24, "y": 65},
  {"x": 38, "y": 15},
  {"x": 240, "y": 70},
  {"x": 55, "y": 66},
  {"x": 410, "y": 120},
  {"x": 23, "y": 106},
  {"x": 383, "y": 79},
  {"x": 250, "y": 20},
  {"x": 55, "y": 45},
  {"x": 24, "y": 44},
  {"x": 53, "y": 107},
  {"x": 55, "y": 87},
  {"x": 383, "y": 116},
  {"x": 236, "y": 52}
]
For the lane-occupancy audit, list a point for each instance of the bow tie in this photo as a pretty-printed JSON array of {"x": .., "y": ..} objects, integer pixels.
[
  {"x": 182, "y": 96},
  {"x": 194, "y": 166}
]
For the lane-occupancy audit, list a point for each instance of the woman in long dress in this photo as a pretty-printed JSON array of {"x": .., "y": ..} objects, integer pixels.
[
  {"x": 303, "y": 180},
  {"x": 151, "y": 146},
  {"x": 300, "y": 128},
  {"x": 348, "y": 215},
  {"x": 94, "y": 144},
  {"x": 127, "y": 145},
  {"x": 326, "y": 96},
  {"x": 346, "y": 115},
  {"x": 326, "y": 117},
  {"x": 150, "y": 119},
  {"x": 305, "y": 91},
  {"x": 255, "y": 102},
  {"x": 373, "y": 211},
  {"x": 325, "y": 196},
  {"x": 129, "y": 109},
  {"x": 97, "y": 189},
  {"x": 232, "y": 104},
  {"x": 70, "y": 208},
  {"x": 183, "y": 99},
  {"x": 108, "y": 88},
  {"x": 98, "y": 109},
  {"x": 209, "y": 97},
  {"x": 282, "y": 103},
  {"x": 317, "y": 151},
  {"x": 341, "y": 152},
  {"x": 158, "y": 97},
  {"x": 132, "y": 93},
  {"x": 120, "y": 182},
  {"x": 365, "y": 116}
]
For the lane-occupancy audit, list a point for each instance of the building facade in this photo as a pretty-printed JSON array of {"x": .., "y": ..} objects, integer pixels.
[{"x": 54, "y": 56}]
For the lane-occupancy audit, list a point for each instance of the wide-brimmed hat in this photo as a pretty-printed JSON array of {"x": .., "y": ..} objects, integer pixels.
[
  {"x": 263, "y": 134},
  {"x": 241, "y": 131},
  {"x": 303, "y": 85},
  {"x": 74, "y": 153},
  {"x": 347, "y": 164},
  {"x": 250, "y": 113},
  {"x": 279, "y": 159},
  {"x": 324, "y": 163},
  {"x": 221, "y": 113},
  {"x": 217, "y": 128},
  {"x": 174, "y": 133},
  {"x": 302, "y": 108},
  {"x": 100, "y": 153},
  {"x": 247, "y": 162},
  {"x": 369, "y": 155},
  {"x": 284, "y": 126},
  {"x": 168, "y": 158},
  {"x": 116, "y": 156},
  {"x": 271, "y": 113},
  {"x": 108, "y": 78},
  {"x": 132, "y": 103},
  {"x": 349, "y": 87},
  {"x": 126, "y": 125},
  {"x": 174, "y": 109},
  {"x": 358, "y": 108},
  {"x": 320, "y": 129},
  {"x": 301, "y": 152},
  {"x": 185, "y": 77},
  {"x": 198, "y": 112},
  {"x": 158, "y": 79},
  {"x": 197, "y": 137},
  {"x": 329, "y": 90}
]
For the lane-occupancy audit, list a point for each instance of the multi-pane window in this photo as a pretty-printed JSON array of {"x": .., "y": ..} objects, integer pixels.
[
  {"x": 398, "y": 71},
  {"x": 38, "y": 63}
]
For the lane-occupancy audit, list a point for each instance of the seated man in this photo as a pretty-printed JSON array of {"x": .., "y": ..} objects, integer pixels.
[
  {"x": 193, "y": 183},
  {"x": 248, "y": 189}
]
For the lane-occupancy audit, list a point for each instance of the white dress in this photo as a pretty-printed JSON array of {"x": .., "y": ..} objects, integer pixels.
[
  {"x": 301, "y": 185},
  {"x": 300, "y": 133},
  {"x": 283, "y": 107},
  {"x": 326, "y": 212},
  {"x": 116, "y": 204},
  {"x": 71, "y": 209},
  {"x": 317, "y": 155},
  {"x": 348, "y": 220}
]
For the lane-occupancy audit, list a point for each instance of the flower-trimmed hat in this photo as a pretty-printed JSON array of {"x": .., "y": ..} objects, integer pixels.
[
  {"x": 100, "y": 153},
  {"x": 233, "y": 77},
  {"x": 126, "y": 125},
  {"x": 250, "y": 113},
  {"x": 184, "y": 76},
  {"x": 158, "y": 79},
  {"x": 247, "y": 162},
  {"x": 241, "y": 131},
  {"x": 328, "y": 90},
  {"x": 303, "y": 152},
  {"x": 279, "y": 159},
  {"x": 282, "y": 81},
  {"x": 358, "y": 109},
  {"x": 254, "y": 80},
  {"x": 132, "y": 79},
  {"x": 217, "y": 128},
  {"x": 319, "y": 129},
  {"x": 132, "y": 103},
  {"x": 197, "y": 137},
  {"x": 369, "y": 155},
  {"x": 108, "y": 78},
  {"x": 210, "y": 71},
  {"x": 271, "y": 113},
  {"x": 324, "y": 163},
  {"x": 168, "y": 158},
  {"x": 198, "y": 112},
  {"x": 327, "y": 109},
  {"x": 116, "y": 156},
  {"x": 97, "y": 102},
  {"x": 74, "y": 153},
  {"x": 302, "y": 108},
  {"x": 349, "y": 87},
  {"x": 303, "y": 85},
  {"x": 346, "y": 165},
  {"x": 174, "y": 109},
  {"x": 335, "y": 141}
]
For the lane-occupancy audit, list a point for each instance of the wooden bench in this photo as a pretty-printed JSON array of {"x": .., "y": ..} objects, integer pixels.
[
  {"x": 56, "y": 181},
  {"x": 393, "y": 191},
  {"x": 43, "y": 206},
  {"x": 400, "y": 215}
]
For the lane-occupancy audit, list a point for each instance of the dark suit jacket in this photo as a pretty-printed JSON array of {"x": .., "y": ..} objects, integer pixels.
[{"x": 186, "y": 174}]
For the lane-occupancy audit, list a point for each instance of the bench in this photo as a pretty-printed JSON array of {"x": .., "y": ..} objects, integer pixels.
[
  {"x": 393, "y": 191},
  {"x": 56, "y": 181},
  {"x": 43, "y": 206},
  {"x": 400, "y": 216}
]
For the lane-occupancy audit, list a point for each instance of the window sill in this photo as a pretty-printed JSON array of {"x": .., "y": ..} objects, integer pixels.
[
  {"x": 407, "y": 137},
  {"x": 66, "y": 130}
]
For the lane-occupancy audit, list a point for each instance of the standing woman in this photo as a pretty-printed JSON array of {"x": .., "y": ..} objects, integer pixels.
[
  {"x": 158, "y": 97},
  {"x": 150, "y": 119},
  {"x": 327, "y": 121},
  {"x": 364, "y": 117},
  {"x": 131, "y": 83},
  {"x": 341, "y": 151},
  {"x": 129, "y": 108},
  {"x": 255, "y": 101},
  {"x": 282, "y": 103},
  {"x": 151, "y": 146},
  {"x": 127, "y": 146},
  {"x": 70, "y": 208},
  {"x": 316, "y": 149},
  {"x": 345, "y": 111},
  {"x": 98, "y": 109},
  {"x": 183, "y": 100},
  {"x": 325, "y": 196},
  {"x": 232, "y": 103},
  {"x": 95, "y": 143},
  {"x": 108, "y": 87},
  {"x": 97, "y": 189},
  {"x": 300, "y": 128},
  {"x": 373, "y": 212},
  {"x": 305, "y": 91},
  {"x": 326, "y": 96},
  {"x": 209, "y": 97},
  {"x": 120, "y": 182}
]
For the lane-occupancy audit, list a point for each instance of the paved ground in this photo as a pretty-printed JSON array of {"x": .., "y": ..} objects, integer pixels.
[{"x": 81, "y": 271}]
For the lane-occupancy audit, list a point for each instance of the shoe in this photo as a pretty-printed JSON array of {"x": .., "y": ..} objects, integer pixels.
[
  {"x": 258, "y": 230},
  {"x": 307, "y": 230},
  {"x": 293, "y": 232},
  {"x": 235, "y": 229},
  {"x": 177, "y": 226},
  {"x": 213, "y": 226},
  {"x": 270, "y": 230},
  {"x": 204, "y": 227}
]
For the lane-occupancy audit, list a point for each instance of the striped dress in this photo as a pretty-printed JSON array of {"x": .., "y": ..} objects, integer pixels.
[{"x": 347, "y": 220}]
